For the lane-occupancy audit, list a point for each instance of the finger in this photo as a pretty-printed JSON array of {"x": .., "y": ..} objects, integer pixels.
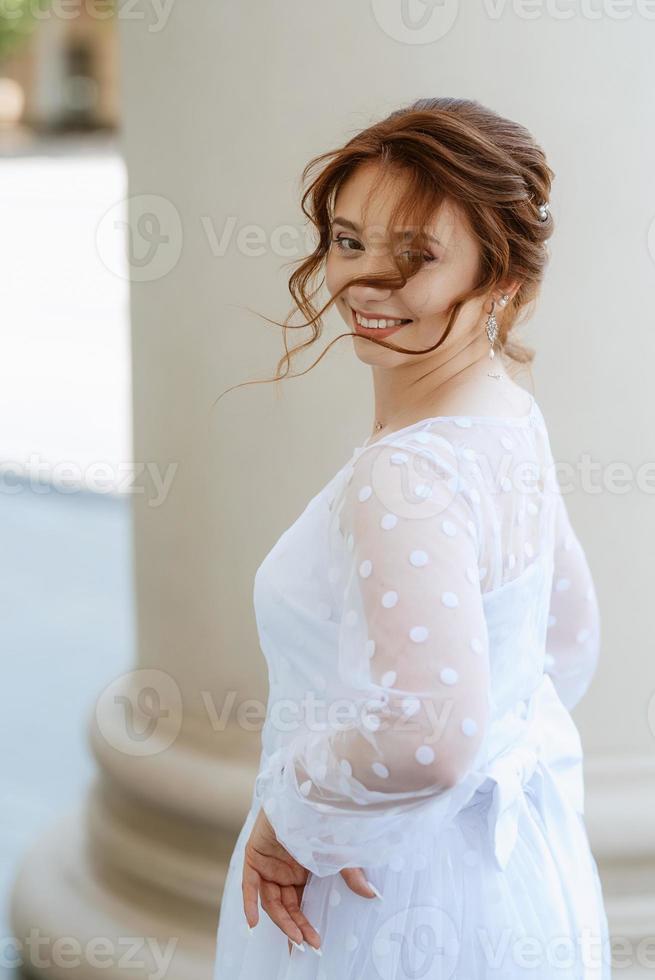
[
  {"x": 357, "y": 882},
  {"x": 250, "y": 884},
  {"x": 272, "y": 905},
  {"x": 291, "y": 897}
]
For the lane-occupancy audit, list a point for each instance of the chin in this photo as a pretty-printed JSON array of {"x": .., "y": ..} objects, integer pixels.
[{"x": 371, "y": 353}]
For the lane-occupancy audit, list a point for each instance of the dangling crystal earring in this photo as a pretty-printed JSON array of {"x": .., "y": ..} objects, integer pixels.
[{"x": 492, "y": 331}]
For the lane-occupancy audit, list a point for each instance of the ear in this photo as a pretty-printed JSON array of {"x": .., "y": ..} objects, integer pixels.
[{"x": 508, "y": 289}]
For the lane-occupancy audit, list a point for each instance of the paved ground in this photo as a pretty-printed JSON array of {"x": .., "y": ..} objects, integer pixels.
[{"x": 66, "y": 630}]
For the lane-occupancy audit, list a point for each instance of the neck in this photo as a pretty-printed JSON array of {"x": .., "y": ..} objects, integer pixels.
[{"x": 411, "y": 390}]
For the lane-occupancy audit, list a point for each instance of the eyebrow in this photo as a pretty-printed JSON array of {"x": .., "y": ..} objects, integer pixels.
[{"x": 355, "y": 227}]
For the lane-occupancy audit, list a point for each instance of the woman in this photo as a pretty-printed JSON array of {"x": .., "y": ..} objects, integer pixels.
[{"x": 431, "y": 614}]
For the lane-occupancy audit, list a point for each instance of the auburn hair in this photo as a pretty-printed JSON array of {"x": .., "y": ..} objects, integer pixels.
[{"x": 435, "y": 150}]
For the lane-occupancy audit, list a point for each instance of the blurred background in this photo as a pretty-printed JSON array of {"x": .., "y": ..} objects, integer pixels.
[
  {"x": 67, "y": 622},
  {"x": 150, "y": 161}
]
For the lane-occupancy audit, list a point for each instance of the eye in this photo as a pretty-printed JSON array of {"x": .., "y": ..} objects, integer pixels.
[
  {"x": 340, "y": 239},
  {"x": 426, "y": 256}
]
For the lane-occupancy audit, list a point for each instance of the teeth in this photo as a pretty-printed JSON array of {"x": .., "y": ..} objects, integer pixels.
[{"x": 376, "y": 324}]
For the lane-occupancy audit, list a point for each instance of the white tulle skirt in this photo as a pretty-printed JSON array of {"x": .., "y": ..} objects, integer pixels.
[{"x": 447, "y": 911}]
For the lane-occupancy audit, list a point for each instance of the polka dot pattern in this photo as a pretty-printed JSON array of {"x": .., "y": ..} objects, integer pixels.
[
  {"x": 449, "y": 676},
  {"x": 423, "y": 549},
  {"x": 410, "y": 706},
  {"x": 334, "y": 898}
]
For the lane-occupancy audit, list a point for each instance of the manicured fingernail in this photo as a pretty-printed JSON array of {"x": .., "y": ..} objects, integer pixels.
[
  {"x": 300, "y": 946},
  {"x": 372, "y": 886},
  {"x": 319, "y": 952}
]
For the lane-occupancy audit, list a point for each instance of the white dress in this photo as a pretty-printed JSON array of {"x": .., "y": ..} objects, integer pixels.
[{"x": 428, "y": 622}]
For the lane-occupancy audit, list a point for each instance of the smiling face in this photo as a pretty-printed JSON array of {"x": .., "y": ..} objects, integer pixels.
[{"x": 424, "y": 304}]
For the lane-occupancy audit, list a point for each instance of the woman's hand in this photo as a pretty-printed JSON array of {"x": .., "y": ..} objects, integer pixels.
[{"x": 272, "y": 873}]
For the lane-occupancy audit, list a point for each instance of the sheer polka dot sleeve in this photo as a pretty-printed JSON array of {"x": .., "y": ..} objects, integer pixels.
[
  {"x": 573, "y": 635},
  {"x": 412, "y": 652}
]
